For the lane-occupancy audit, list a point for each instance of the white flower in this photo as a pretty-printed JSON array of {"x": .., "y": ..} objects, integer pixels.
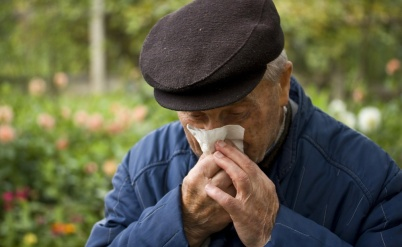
[
  {"x": 336, "y": 107},
  {"x": 347, "y": 118},
  {"x": 369, "y": 119}
]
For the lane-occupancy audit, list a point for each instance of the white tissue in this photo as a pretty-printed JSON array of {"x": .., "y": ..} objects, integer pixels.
[{"x": 207, "y": 138}]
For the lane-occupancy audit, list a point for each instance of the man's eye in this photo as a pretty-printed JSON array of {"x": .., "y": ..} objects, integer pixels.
[
  {"x": 238, "y": 115},
  {"x": 196, "y": 115}
]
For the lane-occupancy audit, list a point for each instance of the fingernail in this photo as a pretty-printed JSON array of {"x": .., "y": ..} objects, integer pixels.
[
  {"x": 221, "y": 143},
  {"x": 218, "y": 155}
]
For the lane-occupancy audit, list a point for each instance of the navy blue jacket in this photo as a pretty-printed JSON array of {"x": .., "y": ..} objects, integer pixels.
[{"x": 336, "y": 188}]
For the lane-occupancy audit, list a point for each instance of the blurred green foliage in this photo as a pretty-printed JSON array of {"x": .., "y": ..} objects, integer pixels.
[
  {"x": 42, "y": 37},
  {"x": 350, "y": 39},
  {"x": 57, "y": 164},
  {"x": 334, "y": 44}
]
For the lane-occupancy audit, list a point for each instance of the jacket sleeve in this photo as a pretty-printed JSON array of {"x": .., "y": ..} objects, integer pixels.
[
  {"x": 382, "y": 225},
  {"x": 292, "y": 229},
  {"x": 127, "y": 223}
]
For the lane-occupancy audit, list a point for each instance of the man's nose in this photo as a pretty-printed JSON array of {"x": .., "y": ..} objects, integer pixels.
[{"x": 213, "y": 123}]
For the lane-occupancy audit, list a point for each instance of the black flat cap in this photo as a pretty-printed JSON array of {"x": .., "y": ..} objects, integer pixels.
[{"x": 211, "y": 53}]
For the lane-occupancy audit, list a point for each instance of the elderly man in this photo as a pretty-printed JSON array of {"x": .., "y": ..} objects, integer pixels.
[{"x": 251, "y": 162}]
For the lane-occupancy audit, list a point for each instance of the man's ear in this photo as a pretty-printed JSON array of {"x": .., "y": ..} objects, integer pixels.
[{"x": 285, "y": 83}]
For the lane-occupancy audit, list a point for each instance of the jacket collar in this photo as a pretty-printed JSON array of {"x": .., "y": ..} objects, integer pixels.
[{"x": 304, "y": 109}]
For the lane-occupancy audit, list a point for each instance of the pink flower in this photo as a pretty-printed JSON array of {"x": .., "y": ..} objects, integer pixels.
[
  {"x": 115, "y": 127},
  {"x": 80, "y": 118},
  {"x": 94, "y": 122},
  {"x": 7, "y": 134},
  {"x": 8, "y": 198},
  {"x": 123, "y": 116},
  {"x": 392, "y": 66},
  {"x": 37, "y": 87},
  {"x": 140, "y": 113},
  {"x": 60, "y": 79},
  {"x": 358, "y": 95},
  {"x": 126, "y": 116},
  {"x": 62, "y": 143},
  {"x": 6, "y": 114},
  {"x": 91, "y": 168},
  {"x": 46, "y": 121}
]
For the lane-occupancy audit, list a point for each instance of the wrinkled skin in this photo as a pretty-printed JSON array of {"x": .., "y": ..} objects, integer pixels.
[
  {"x": 202, "y": 215},
  {"x": 228, "y": 186}
]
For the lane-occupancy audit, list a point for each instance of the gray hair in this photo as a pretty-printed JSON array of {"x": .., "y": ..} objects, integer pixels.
[{"x": 275, "y": 68}]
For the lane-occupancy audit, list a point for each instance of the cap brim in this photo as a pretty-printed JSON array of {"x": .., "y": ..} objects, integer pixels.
[{"x": 210, "y": 98}]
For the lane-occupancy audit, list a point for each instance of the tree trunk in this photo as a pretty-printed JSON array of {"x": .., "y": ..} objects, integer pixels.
[{"x": 97, "y": 49}]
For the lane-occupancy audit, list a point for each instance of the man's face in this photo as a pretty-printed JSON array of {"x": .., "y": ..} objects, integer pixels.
[{"x": 260, "y": 113}]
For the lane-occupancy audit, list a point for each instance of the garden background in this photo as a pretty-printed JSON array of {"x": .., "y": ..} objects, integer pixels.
[{"x": 61, "y": 140}]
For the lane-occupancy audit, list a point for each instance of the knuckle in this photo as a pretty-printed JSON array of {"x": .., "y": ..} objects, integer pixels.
[
  {"x": 270, "y": 185},
  {"x": 242, "y": 177},
  {"x": 250, "y": 164},
  {"x": 190, "y": 181},
  {"x": 228, "y": 202}
]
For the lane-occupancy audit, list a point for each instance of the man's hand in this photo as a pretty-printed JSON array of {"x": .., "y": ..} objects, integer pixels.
[
  {"x": 254, "y": 208},
  {"x": 202, "y": 215}
]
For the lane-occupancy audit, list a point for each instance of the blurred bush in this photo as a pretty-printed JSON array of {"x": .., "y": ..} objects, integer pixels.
[
  {"x": 378, "y": 120},
  {"x": 334, "y": 44},
  {"x": 57, "y": 156}
]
